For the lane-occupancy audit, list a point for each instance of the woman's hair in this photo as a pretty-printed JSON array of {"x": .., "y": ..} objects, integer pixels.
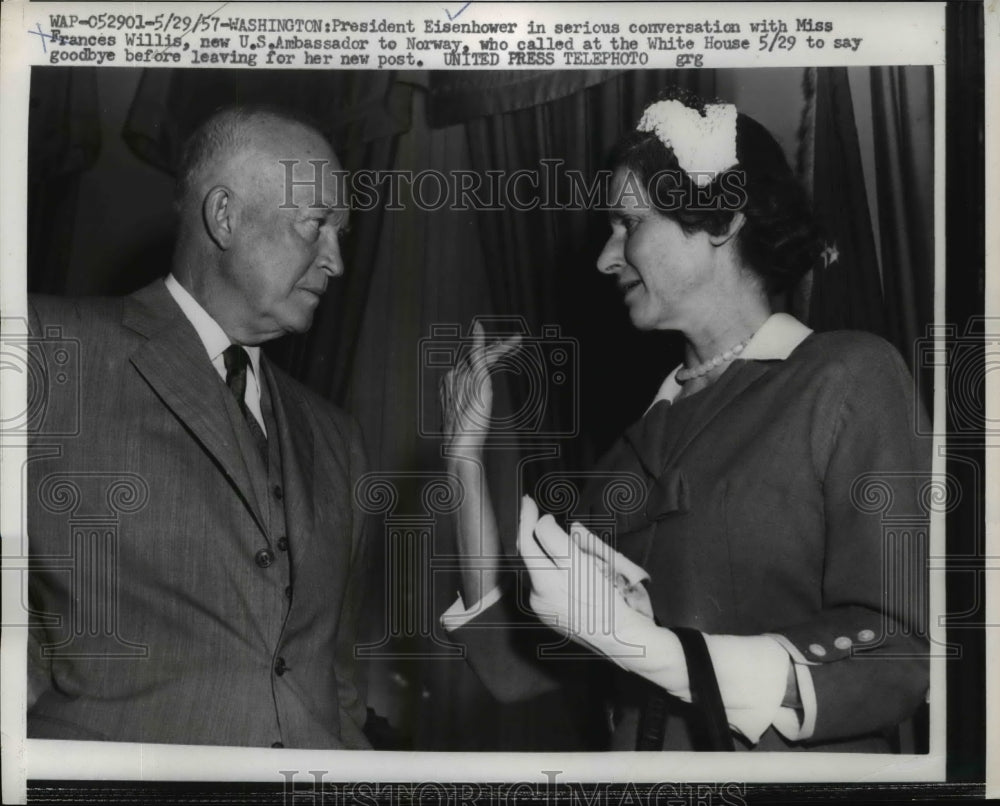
[{"x": 778, "y": 241}]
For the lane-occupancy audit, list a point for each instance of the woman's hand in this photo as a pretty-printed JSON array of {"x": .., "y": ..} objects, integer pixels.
[
  {"x": 467, "y": 395},
  {"x": 587, "y": 591},
  {"x": 584, "y": 589},
  {"x": 467, "y": 405}
]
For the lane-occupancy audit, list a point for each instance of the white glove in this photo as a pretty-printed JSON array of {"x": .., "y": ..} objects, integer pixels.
[{"x": 587, "y": 591}]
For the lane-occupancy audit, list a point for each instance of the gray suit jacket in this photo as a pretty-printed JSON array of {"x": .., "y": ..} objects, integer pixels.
[{"x": 180, "y": 593}]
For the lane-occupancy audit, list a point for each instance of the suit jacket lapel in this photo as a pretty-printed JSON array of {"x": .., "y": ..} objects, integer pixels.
[
  {"x": 295, "y": 439},
  {"x": 173, "y": 361}
]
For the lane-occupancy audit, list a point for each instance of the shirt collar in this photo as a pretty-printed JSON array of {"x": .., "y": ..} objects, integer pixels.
[
  {"x": 209, "y": 331},
  {"x": 775, "y": 340}
]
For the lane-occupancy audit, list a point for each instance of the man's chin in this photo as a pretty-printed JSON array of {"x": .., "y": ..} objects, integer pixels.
[{"x": 300, "y": 323}]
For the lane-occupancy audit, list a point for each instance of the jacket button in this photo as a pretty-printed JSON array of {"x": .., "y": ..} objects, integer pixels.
[
  {"x": 817, "y": 650},
  {"x": 278, "y": 492},
  {"x": 288, "y": 593},
  {"x": 866, "y": 635},
  {"x": 264, "y": 558},
  {"x": 283, "y": 543},
  {"x": 277, "y": 744},
  {"x": 843, "y": 642},
  {"x": 280, "y": 667}
]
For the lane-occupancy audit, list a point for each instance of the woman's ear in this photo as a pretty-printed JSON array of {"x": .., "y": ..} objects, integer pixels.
[
  {"x": 735, "y": 225},
  {"x": 217, "y": 213}
]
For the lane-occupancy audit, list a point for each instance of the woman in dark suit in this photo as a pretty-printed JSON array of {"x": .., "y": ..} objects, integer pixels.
[{"x": 754, "y": 544}]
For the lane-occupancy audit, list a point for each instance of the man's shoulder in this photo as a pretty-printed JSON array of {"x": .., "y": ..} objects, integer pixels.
[
  {"x": 144, "y": 311},
  {"x": 76, "y": 311}
]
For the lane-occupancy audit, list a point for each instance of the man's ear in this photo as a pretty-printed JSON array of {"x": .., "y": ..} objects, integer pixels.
[
  {"x": 217, "y": 212},
  {"x": 735, "y": 225}
]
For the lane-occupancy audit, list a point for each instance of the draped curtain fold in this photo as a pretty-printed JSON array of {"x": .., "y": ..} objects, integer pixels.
[
  {"x": 846, "y": 291},
  {"x": 351, "y": 108},
  {"x": 903, "y": 122},
  {"x": 64, "y": 141},
  {"x": 883, "y": 285}
]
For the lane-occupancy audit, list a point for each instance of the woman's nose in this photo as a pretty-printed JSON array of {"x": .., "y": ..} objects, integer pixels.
[{"x": 612, "y": 257}]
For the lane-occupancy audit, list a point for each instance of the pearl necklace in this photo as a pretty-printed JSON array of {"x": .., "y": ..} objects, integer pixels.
[{"x": 684, "y": 374}]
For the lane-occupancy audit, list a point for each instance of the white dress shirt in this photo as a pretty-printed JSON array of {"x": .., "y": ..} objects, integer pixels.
[{"x": 216, "y": 341}]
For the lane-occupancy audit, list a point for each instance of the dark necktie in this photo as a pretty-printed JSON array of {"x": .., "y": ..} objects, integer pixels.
[{"x": 237, "y": 360}]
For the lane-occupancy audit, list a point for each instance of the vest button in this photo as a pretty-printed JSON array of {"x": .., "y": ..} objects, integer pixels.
[
  {"x": 277, "y": 744},
  {"x": 288, "y": 593},
  {"x": 264, "y": 558},
  {"x": 283, "y": 543},
  {"x": 280, "y": 667},
  {"x": 278, "y": 492}
]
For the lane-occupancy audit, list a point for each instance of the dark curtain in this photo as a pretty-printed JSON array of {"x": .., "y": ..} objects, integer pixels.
[
  {"x": 352, "y": 108},
  {"x": 884, "y": 286},
  {"x": 64, "y": 139},
  {"x": 903, "y": 122},
  {"x": 846, "y": 291}
]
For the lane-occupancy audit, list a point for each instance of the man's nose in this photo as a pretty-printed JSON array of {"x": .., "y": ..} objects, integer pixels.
[
  {"x": 330, "y": 259},
  {"x": 612, "y": 257}
]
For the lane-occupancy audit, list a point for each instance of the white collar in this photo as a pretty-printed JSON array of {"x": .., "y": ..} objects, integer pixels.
[
  {"x": 775, "y": 340},
  {"x": 209, "y": 331}
]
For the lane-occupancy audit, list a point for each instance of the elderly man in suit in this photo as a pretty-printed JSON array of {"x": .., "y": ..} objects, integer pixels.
[{"x": 197, "y": 553}]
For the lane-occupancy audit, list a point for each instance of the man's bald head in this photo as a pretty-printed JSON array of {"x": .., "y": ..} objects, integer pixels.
[{"x": 223, "y": 137}]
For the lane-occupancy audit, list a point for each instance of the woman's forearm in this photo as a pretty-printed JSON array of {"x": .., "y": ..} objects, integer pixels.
[{"x": 478, "y": 535}]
